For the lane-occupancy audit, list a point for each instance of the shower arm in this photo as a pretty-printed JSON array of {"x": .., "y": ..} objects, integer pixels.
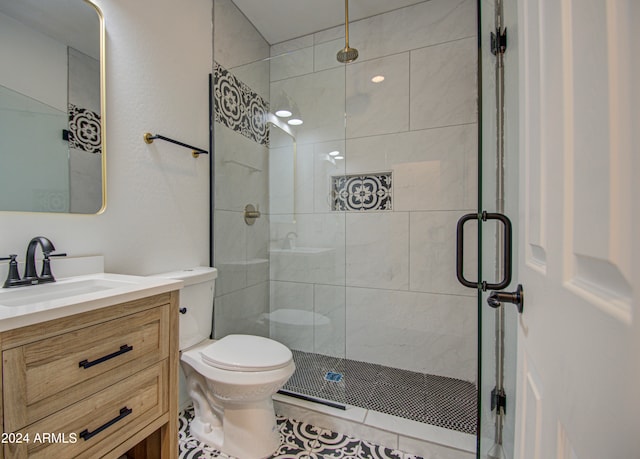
[{"x": 346, "y": 23}]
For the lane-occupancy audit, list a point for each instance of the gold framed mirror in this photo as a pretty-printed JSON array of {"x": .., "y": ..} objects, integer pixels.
[{"x": 52, "y": 107}]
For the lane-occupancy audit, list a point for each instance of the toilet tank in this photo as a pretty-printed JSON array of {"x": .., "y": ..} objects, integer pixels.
[{"x": 196, "y": 303}]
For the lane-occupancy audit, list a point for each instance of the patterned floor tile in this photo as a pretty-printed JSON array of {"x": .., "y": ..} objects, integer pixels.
[
  {"x": 298, "y": 440},
  {"x": 371, "y": 451}
]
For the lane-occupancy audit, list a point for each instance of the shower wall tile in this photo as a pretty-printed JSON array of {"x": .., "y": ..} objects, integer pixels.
[
  {"x": 432, "y": 253},
  {"x": 383, "y": 152},
  {"x": 242, "y": 312},
  {"x": 290, "y": 318},
  {"x": 230, "y": 251},
  {"x": 256, "y": 76},
  {"x": 241, "y": 171},
  {"x": 294, "y": 44},
  {"x": 417, "y": 26},
  {"x": 318, "y": 256},
  {"x": 319, "y": 101},
  {"x": 378, "y": 108},
  {"x": 433, "y": 169},
  {"x": 378, "y": 250},
  {"x": 291, "y": 64},
  {"x": 334, "y": 33},
  {"x": 281, "y": 184},
  {"x": 422, "y": 332},
  {"x": 443, "y": 85},
  {"x": 326, "y": 167},
  {"x": 236, "y": 41},
  {"x": 329, "y": 302},
  {"x": 435, "y": 185},
  {"x": 325, "y": 55},
  {"x": 257, "y": 243}
]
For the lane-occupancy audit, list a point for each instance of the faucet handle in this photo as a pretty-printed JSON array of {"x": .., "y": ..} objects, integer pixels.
[
  {"x": 46, "y": 264},
  {"x": 13, "y": 276}
]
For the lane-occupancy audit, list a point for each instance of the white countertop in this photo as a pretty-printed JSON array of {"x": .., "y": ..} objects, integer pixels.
[{"x": 22, "y": 306}]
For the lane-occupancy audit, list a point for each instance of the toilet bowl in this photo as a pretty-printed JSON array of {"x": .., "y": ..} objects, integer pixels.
[{"x": 230, "y": 381}]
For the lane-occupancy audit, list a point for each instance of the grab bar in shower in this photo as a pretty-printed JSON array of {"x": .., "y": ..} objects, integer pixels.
[{"x": 149, "y": 138}]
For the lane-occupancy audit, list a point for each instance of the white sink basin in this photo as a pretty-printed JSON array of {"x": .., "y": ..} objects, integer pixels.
[
  {"x": 68, "y": 288},
  {"x": 20, "y": 306}
]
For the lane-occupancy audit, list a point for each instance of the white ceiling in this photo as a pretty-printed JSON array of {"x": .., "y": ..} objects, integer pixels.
[{"x": 280, "y": 20}]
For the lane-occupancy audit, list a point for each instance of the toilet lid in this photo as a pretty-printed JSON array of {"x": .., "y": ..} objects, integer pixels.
[{"x": 246, "y": 353}]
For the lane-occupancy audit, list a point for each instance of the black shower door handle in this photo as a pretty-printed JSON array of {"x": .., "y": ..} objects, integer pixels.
[
  {"x": 506, "y": 253},
  {"x": 460, "y": 250}
]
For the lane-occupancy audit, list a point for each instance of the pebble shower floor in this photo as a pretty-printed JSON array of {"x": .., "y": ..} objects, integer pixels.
[
  {"x": 298, "y": 440},
  {"x": 436, "y": 400}
]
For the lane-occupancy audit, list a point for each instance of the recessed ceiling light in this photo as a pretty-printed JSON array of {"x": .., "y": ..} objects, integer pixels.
[
  {"x": 294, "y": 122},
  {"x": 339, "y": 157},
  {"x": 377, "y": 79},
  {"x": 334, "y": 153},
  {"x": 283, "y": 113}
]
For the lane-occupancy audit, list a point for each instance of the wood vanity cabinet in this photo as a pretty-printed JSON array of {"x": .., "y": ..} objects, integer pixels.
[{"x": 101, "y": 383}]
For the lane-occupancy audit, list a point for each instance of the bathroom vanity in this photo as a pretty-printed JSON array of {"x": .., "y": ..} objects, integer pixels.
[{"x": 93, "y": 374}]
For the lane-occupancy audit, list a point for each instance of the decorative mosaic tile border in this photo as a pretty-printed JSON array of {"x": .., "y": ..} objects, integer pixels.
[
  {"x": 85, "y": 130},
  {"x": 361, "y": 192},
  {"x": 238, "y": 107},
  {"x": 297, "y": 440}
]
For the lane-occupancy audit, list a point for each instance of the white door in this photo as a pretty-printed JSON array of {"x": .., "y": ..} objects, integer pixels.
[{"x": 578, "y": 383}]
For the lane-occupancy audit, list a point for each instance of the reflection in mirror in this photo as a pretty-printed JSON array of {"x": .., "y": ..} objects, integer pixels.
[{"x": 51, "y": 106}]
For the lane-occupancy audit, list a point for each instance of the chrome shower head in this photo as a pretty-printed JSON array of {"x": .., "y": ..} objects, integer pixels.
[{"x": 347, "y": 54}]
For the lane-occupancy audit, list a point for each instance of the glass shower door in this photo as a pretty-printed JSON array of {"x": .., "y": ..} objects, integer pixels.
[{"x": 307, "y": 235}]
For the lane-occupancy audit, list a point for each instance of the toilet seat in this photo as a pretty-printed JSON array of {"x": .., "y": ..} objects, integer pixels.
[{"x": 246, "y": 353}]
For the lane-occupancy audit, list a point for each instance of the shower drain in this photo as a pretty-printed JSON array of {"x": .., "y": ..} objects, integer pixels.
[{"x": 333, "y": 377}]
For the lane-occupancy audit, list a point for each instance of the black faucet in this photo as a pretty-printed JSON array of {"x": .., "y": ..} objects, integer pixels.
[{"x": 30, "y": 275}]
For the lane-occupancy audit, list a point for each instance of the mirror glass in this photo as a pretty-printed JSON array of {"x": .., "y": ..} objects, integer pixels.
[{"x": 51, "y": 105}]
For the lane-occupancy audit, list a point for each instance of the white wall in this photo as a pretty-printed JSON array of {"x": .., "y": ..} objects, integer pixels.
[{"x": 158, "y": 57}]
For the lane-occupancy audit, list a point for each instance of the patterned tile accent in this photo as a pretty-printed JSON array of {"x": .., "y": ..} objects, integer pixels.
[
  {"x": 238, "y": 107},
  {"x": 436, "y": 400},
  {"x": 361, "y": 192},
  {"x": 297, "y": 440},
  {"x": 85, "y": 130}
]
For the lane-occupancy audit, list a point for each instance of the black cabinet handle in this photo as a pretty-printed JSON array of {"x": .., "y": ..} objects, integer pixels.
[
  {"x": 507, "y": 253},
  {"x": 123, "y": 349},
  {"x": 124, "y": 412}
]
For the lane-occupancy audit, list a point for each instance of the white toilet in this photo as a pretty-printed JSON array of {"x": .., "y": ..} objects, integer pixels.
[{"x": 231, "y": 380}]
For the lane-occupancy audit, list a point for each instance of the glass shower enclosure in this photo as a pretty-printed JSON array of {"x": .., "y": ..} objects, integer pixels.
[{"x": 360, "y": 172}]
